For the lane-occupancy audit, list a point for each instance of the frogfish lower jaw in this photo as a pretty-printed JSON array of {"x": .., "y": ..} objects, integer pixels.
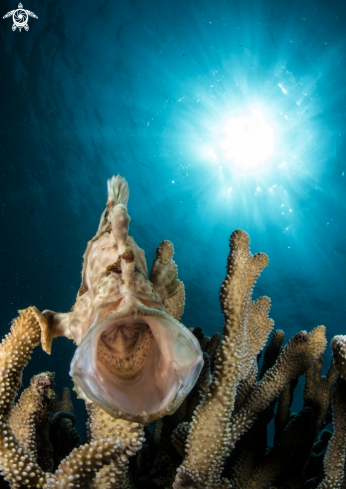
[{"x": 137, "y": 363}]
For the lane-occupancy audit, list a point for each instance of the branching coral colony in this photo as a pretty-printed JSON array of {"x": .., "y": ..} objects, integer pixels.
[{"x": 137, "y": 364}]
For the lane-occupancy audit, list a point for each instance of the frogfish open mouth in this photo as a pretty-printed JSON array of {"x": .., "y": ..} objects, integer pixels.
[{"x": 134, "y": 358}]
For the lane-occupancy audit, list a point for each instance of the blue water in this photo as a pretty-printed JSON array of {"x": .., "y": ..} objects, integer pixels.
[{"x": 140, "y": 88}]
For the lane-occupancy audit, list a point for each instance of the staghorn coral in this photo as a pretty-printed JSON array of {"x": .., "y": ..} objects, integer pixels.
[
  {"x": 246, "y": 329},
  {"x": 131, "y": 438},
  {"x": 209, "y": 438},
  {"x": 294, "y": 442},
  {"x": 216, "y": 434},
  {"x": 64, "y": 403},
  {"x": 78, "y": 469},
  {"x": 30, "y": 416},
  {"x": 334, "y": 459},
  {"x": 18, "y": 465},
  {"x": 338, "y": 345},
  {"x": 295, "y": 359}
]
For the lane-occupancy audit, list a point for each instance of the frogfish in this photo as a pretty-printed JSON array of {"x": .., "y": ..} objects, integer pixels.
[{"x": 133, "y": 358}]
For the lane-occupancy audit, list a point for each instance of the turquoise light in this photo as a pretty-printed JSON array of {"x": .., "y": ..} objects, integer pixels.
[{"x": 246, "y": 141}]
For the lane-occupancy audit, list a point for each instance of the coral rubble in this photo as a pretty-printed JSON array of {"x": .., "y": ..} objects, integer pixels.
[{"x": 216, "y": 434}]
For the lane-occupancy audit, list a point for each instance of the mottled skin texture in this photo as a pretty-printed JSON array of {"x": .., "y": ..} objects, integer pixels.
[
  {"x": 117, "y": 296},
  {"x": 105, "y": 290}
]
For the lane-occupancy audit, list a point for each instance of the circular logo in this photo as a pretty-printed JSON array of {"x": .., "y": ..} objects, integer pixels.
[{"x": 20, "y": 18}]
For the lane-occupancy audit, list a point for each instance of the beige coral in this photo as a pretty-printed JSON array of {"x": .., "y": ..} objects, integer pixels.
[
  {"x": 78, "y": 468},
  {"x": 209, "y": 439},
  {"x": 338, "y": 345},
  {"x": 100, "y": 424},
  {"x": 33, "y": 409},
  {"x": 175, "y": 305},
  {"x": 130, "y": 435},
  {"x": 334, "y": 460},
  {"x": 18, "y": 464},
  {"x": 246, "y": 329},
  {"x": 102, "y": 462}
]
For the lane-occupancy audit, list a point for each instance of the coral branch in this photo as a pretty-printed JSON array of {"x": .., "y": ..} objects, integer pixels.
[
  {"x": 15, "y": 351},
  {"x": 318, "y": 389},
  {"x": 79, "y": 468},
  {"x": 29, "y": 419},
  {"x": 209, "y": 439},
  {"x": 17, "y": 464},
  {"x": 338, "y": 345},
  {"x": 130, "y": 436},
  {"x": 259, "y": 326},
  {"x": 334, "y": 459},
  {"x": 64, "y": 403},
  {"x": 296, "y": 358},
  {"x": 272, "y": 350}
]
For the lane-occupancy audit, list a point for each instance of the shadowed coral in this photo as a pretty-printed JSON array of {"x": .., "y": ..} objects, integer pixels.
[
  {"x": 30, "y": 416},
  {"x": 294, "y": 360},
  {"x": 318, "y": 389},
  {"x": 272, "y": 350},
  {"x": 282, "y": 414},
  {"x": 64, "y": 403},
  {"x": 338, "y": 345},
  {"x": 294, "y": 442},
  {"x": 63, "y": 435},
  {"x": 78, "y": 469},
  {"x": 334, "y": 460}
]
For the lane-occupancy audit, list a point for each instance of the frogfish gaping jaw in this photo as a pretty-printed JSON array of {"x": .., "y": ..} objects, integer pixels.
[{"x": 134, "y": 359}]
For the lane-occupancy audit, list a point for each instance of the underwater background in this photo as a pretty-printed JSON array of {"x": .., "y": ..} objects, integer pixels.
[{"x": 144, "y": 89}]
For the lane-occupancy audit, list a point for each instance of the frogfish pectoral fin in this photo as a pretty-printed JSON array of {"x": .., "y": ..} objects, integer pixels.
[{"x": 52, "y": 326}]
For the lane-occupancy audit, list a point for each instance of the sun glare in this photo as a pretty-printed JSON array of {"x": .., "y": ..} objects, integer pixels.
[{"x": 246, "y": 141}]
